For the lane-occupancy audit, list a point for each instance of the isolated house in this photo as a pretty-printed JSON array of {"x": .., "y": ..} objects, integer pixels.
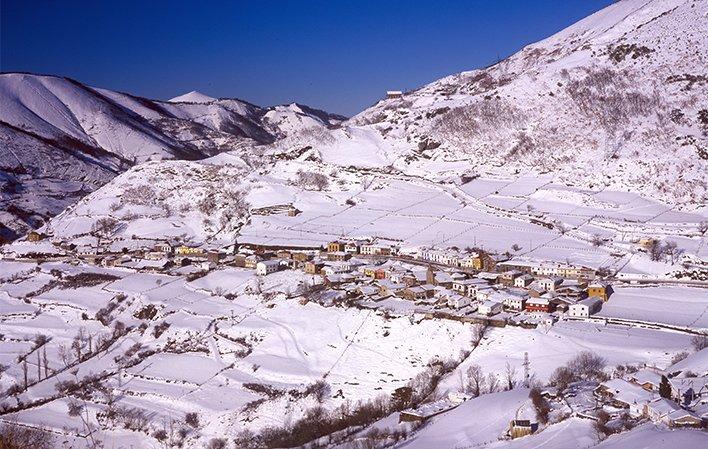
[
  {"x": 521, "y": 427},
  {"x": 394, "y": 94},
  {"x": 428, "y": 410}
]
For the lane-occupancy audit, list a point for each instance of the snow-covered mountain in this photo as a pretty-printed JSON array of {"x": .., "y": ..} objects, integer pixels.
[
  {"x": 62, "y": 139},
  {"x": 616, "y": 100}
]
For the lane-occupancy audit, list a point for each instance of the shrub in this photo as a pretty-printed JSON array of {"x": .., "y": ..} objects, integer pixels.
[
  {"x": 540, "y": 404},
  {"x": 699, "y": 342},
  {"x": 143, "y": 195},
  {"x": 192, "y": 419},
  {"x": 13, "y": 436},
  {"x": 311, "y": 180}
]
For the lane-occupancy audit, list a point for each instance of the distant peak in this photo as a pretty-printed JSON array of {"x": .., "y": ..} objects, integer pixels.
[{"x": 193, "y": 97}]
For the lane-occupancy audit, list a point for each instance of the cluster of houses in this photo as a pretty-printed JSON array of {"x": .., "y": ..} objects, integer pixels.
[
  {"x": 141, "y": 254},
  {"x": 683, "y": 404},
  {"x": 476, "y": 283},
  {"x": 471, "y": 283}
]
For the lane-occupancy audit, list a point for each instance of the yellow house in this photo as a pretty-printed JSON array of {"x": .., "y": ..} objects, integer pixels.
[
  {"x": 598, "y": 290},
  {"x": 370, "y": 271},
  {"x": 185, "y": 250},
  {"x": 333, "y": 247}
]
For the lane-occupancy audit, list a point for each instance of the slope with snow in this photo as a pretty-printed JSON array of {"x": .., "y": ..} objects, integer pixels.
[
  {"x": 612, "y": 102},
  {"x": 62, "y": 139}
]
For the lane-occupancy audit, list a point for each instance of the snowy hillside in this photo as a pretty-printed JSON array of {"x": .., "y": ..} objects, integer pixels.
[
  {"x": 615, "y": 101},
  {"x": 61, "y": 136}
]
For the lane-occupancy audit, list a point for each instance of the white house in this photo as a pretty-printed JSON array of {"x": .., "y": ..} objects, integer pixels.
[
  {"x": 513, "y": 302},
  {"x": 489, "y": 308},
  {"x": 456, "y": 301},
  {"x": 549, "y": 284},
  {"x": 523, "y": 281},
  {"x": 267, "y": 267},
  {"x": 483, "y": 293},
  {"x": 585, "y": 307}
]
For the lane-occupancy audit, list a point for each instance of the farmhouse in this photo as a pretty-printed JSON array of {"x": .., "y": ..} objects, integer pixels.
[
  {"x": 645, "y": 378},
  {"x": 419, "y": 293},
  {"x": 376, "y": 250},
  {"x": 585, "y": 307},
  {"x": 338, "y": 256},
  {"x": 428, "y": 410},
  {"x": 507, "y": 278},
  {"x": 184, "y": 250},
  {"x": 521, "y": 427},
  {"x": 388, "y": 288},
  {"x": 456, "y": 301},
  {"x": 510, "y": 300},
  {"x": 34, "y": 236}
]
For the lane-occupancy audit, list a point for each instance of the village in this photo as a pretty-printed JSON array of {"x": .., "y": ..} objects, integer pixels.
[
  {"x": 467, "y": 285},
  {"x": 470, "y": 285}
]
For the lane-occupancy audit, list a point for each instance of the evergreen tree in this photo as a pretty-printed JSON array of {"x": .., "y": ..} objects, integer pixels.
[{"x": 665, "y": 388}]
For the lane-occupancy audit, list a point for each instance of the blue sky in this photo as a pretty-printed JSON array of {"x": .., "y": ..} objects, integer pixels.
[{"x": 337, "y": 55}]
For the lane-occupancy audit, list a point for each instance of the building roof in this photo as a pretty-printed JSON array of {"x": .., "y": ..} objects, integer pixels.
[
  {"x": 627, "y": 392},
  {"x": 663, "y": 406},
  {"x": 588, "y": 302},
  {"x": 644, "y": 376}
]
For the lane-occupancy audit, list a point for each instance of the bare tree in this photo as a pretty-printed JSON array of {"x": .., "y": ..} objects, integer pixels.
[
  {"x": 104, "y": 227},
  {"x": 313, "y": 180},
  {"x": 587, "y": 365},
  {"x": 13, "y": 436},
  {"x": 703, "y": 227},
  {"x": 478, "y": 331},
  {"x": 699, "y": 342},
  {"x": 597, "y": 240},
  {"x": 671, "y": 248},
  {"x": 475, "y": 380},
  {"x": 24, "y": 372},
  {"x": 492, "y": 383},
  {"x": 510, "y": 376},
  {"x": 541, "y": 405},
  {"x": 562, "y": 377},
  {"x": 77, "y": 410}
]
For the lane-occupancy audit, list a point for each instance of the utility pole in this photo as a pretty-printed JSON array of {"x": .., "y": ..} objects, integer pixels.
[{"x": 526, "y": 365}]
